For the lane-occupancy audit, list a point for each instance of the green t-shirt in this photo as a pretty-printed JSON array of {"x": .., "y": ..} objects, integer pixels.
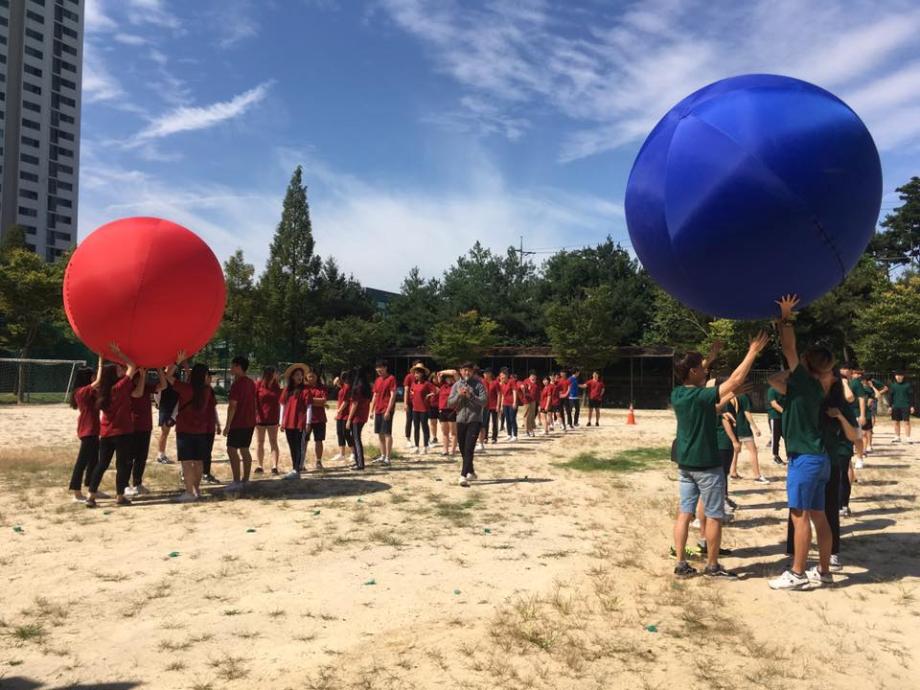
[
  {"x": 859, "y": 391},
  {"x": 901, "y": 395},
  {"x": 773, "y": 394},
  {"x": 722, "y": 440},
  {"x": 871, "y": 402},
  {"x": 742, "y": 425},
  {"x": 802, "y": 420},
  {"x": 838, "y": 447},
  {"x": 697, "y": 447}
]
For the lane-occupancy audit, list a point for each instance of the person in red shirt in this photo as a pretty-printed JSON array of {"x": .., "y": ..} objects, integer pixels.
[
  {"x": 318, "y": 395},
  {"x": 562, "y": 398},
  {"x": 213, "y": 430},
  {"x": 595, "y": 389},
  {"x": 142, "y": 414},
  {"x": 547, "y": 395},
  {"x": 342, "y": 408},
  {"x": 408, "y": 380},
  {"x": 192, "y": 424},
  {"x": 420, "y": 393},
  {"x": 113, "y": 400},
  {"x": 382, "y": 403},
  {"x": 433, "y": 412},
  {"x": 358, "y": 413},
  {"x": 296, "y": 415},
  {"x": 509, "y": 399},
  {"x": 268, "y": 411},
  {"x": 83, "y": 398},
  {"x": 490, "y": 414},
  {"x": 446, "y": 414},
  {"x": 530, "y": 396},
  {"x": 241, "y": 422}
]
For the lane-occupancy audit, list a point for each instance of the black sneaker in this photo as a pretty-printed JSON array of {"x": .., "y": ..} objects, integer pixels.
[
  {"x": 704, "y": 550},
  {"x": 730, "y": 502},
  {"x": 684, "y": 570},
  {"x": 275, "y": 470},
  {"x": 356, "y": 468},
  {"x": 778, "y": 460},
  {"x": 718, "y": 571},
  {"x": 211, "y": 479},
  {"x": 258, "y": 470}
]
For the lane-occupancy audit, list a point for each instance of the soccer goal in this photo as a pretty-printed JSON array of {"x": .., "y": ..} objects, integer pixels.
[{"x": 37, "y": 380}]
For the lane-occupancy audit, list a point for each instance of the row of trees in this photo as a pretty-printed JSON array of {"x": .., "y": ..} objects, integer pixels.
[{"x": 583, "y": 303}]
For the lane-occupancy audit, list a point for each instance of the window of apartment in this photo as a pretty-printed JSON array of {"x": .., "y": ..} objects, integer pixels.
[
  {"x": 30, "y": 212},
  {"x": 4, "y": 21},
  {"x": 57, "y": 118},
  {"x": 64, "y": 48},
  {"x": 57, "y": 82},
  {"x": 26, "y": 158},
  {"x": 28, "y": 194},
  {"x": 34, "y": 52},
  {"x": 34, "y": 35},
  {"x": 29, "y": 69},
  {"x": 66, "y": 136},
  {"x": 63, "y": 151},
  {"x": 29, "y": 105},
  {"x": 55, "y": 168},
  {"x": 35, "y": 17},
  {"x": 29, "y": 177},
  {"x": 30, "y": 229},
  {"x": 60, "y": 12},
  {"x": 57, "y": 99},
  {"x": 54, "y": 186},
  {"x": 29, "y": 141},
  {"x": 31, "y": 88},
  {"x": 30, "y": 124},
  {"x": 60, "y": 31},
  {"x": 60, "y": 65}
]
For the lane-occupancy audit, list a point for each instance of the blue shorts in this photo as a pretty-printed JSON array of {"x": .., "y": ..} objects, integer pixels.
[
  {"x": 708, "y": 485},
  {"x": 806, "y": 480}
]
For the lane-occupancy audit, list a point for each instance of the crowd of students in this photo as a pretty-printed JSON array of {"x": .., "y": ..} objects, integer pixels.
[
  {"x": 822, "y": 413},
  {"x": 467, "y": 406}
]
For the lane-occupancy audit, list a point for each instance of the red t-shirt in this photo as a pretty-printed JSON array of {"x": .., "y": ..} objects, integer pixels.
[
  {"x": 212, "y": 414},
  {"x": 443, "y": 395},
  {"x": 507, "y": 389},
  {"x": 408, "y": 380},
  {"x": 595, "y": 390},
  {"x": 562, "y": 388},
  {"x": 363, "y": 409},
  {"x": 243, "y": 391},
  {"x": 532, "y": 390},
  {"x": 141, "y": 409},
  {"x": 116, "y": 419},
  {"x": 419, "y": 394},
  {"x": 295, "y": 405},
  {"x": 384, "y": 389},
  {"x": 88, "y": 419},
  {"x": 546, "y": 398},
  {"x": 268, "y": 403},
  {"x": 193, "y": 419},
  {"x": 344, "y": 396},
  {"x": 318, "y": 400},
  {"x": 493, "y": 391}
]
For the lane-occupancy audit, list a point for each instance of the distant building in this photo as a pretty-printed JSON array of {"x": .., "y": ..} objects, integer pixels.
[
  {"x": 380, "y": 298},
  {"x": 41, "y": 64}
]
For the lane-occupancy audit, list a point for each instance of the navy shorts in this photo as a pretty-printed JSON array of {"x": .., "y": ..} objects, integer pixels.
[{"x": 193, "y": 447}]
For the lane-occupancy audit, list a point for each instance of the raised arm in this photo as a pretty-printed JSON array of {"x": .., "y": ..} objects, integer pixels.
[
  {"x": 161, "y": 380},
  {"x": 130, "y": 367},
  {"x": 714, "y": 351},
  {"x": 98, "y": 380},
  {"x": 779, "y": 380},
  {"x": 739, "y": 375},
  {"x": 141, "y": 384},
  {"x": 787, "y": 306},
  {"x": 170, "y": 372}
]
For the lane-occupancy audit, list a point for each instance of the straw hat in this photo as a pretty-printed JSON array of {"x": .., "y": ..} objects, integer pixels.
[
  {"x": 292, "y": 368},
  {"x": 419, "y": 365}
]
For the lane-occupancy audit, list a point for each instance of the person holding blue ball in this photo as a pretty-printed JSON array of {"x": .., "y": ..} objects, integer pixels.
[{"x": 805, "y": 384}]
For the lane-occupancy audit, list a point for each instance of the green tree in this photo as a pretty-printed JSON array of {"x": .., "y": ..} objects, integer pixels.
[
  {"x": 587, "y": 331},
  {"x": 14, "y": 237},
  {"x": 411, "y": 314},
  {"x": 290, "y": 276},
  {"x": 347, "y": 342},
  {"x": 888, "y": 328},
  {"x": 236, "y": 332},
  {"x": 463, "y": 337},
  {"x": 671, "y": 323},
  {"x": 900, "y": 242},
  {"x": 338, "y": 295}
]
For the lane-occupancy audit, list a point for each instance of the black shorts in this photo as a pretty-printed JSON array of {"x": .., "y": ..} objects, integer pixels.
[
  {"x": 343, "y": 433},
  {"x": 207, "y": 458},
  {"x": 868, "y": 425},
  {"x": 900, "y": 414},
  {"x": 382, "y": 425},
  {"x": 594, "y": 404},
  {"x": 192, "y": 446},
  {"x": 447, "y": 415},
  {"x": 726, "y": 455},
  {"x": 317, "y": 431},
  {"x": 240, "y": 438},
  {"x": 434, "y": 414}
]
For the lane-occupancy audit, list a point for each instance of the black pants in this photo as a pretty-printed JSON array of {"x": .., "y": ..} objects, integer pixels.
[
  {"x": 85, "y": 465},
  {"x": 409, "y": 424},
  {"x": 297, "y": 447},
  {"x": 493, "y": 420},
  {"x": 120, "y": 447},
  {"x": 467, "y": 435},
  {"x": 776, "y": 430},
  {"x": 845, "y": 486},
  {"x": 356, "y": 428},
  {"x": 206, "y": 463},
  {"x": 140, "y": 448},
  {"x": 420, "y": 419},
  {"x": 726, "y": 456},
  {"x": 831, "y": 510},
  {"x": 576, "y": 404},
  {"x": 343, "y": 433}
]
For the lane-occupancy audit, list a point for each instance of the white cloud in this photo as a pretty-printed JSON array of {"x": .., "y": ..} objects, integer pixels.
[
  {"x": 186, "y": 118},
  {"x": 98, "y": 83},
  {"x": 130, "y": 39},
  {"x": 615, "y": 76},
  {"x": 235, "y": 21},
  {"x": 150, "y": 12},
  {"x": 95, "y": 19}
]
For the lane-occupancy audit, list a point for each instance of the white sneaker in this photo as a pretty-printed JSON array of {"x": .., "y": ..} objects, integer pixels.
[
  {"x": 472, "y": 477},
  {"x": 788, "y": 580},
  {"x": 409, "y": 444},
  {"x": 896, "y": 439},
  {"x": 482, "y": 447},
  {"x": 293, "y": 474},
  {"x": 817, "y": 579},
  {"x": 141, "y": 490},
  {"x": 514, "y": 438},
  {"x": 695, "y": 524},
  {"x": 836, "y": 565},
  {"x": 845, "y": 511},
  {"x": 762, "y": 480},
  {"x": 186, "y": 498},
  {"x": 385, "y": 462},
  {"x": 377, "y": 460},
  {"x": 336, "y": 457},
  {"x": 130, "y": 491},
  {"x": 81, "y": 499},
  {"x": 163, "y": 459},
  {"x": 425, "y": 450},
  {"x": 463, "y": 481},
  {"x": 859, "y": 464}
]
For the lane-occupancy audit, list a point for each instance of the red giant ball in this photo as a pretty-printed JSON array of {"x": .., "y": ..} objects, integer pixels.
[{"x": 150, "y": 286}]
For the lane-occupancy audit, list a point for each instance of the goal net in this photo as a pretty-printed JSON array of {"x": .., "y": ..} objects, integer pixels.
[{"x": 37, "y": 380}]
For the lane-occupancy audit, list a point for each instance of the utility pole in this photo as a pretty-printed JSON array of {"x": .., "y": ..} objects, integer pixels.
[{"x": 521, "y": 253}]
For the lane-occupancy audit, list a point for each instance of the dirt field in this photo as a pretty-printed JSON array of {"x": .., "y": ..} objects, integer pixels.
[{"x": 538, "y": 576}]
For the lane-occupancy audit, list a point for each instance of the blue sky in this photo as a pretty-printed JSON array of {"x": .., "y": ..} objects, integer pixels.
[{"x": 425, "y": 125}]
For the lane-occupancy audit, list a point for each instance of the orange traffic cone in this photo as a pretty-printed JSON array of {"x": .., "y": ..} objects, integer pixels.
[{"x": 631, "y": 417}]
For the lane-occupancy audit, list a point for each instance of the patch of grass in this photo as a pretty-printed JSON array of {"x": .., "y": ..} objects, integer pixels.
[
  {"x": 385, "y": 537},
  {"x": 457, "y": 512},
  {"x": 632, "y": 460},
  {"x": 229, "y": 668},
  {"x": 175, "y": 666},
  {"x": 29, "y": 632},
  {"x": 232, "y": 612}
]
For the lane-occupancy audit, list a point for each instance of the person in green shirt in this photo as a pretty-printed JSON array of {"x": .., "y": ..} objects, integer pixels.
[
  {"x": 805, "y": 385},
  {"x": 699, "y": 467},
  {"x": 746, "y": 429},
  {"x": 851, "y": 375},
  {"x": 775, "y": 403},
  {"x": 874, "y": 390},
  {"x": 902, "y": 395}
]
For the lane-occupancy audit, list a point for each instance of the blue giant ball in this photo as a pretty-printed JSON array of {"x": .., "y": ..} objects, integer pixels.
[{"x": 751, "y": 188}]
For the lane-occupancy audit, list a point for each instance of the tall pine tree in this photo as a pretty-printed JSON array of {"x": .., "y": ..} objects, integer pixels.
[{"x": 290, "y": 276}]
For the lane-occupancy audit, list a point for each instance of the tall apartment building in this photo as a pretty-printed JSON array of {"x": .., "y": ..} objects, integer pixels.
[{"x": 41, "y": 64}]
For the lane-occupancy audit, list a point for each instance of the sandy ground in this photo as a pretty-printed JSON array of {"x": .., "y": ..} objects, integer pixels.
[{"x": 538, "y": 576}]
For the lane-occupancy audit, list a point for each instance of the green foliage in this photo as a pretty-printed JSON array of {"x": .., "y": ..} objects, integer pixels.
[
  {"x": 900, "y": 242},
  {"x": 14, "y": 237},
  {"x": 236, "y": 328},
  {"x": 671, "y": 323},
  {"x": 348, "y": 342},
  {"x": 30, "y": 300},
  {"x": 631, "y": 460},
  {"x": 337, "y": 295},
  {"x": 586, "y": 332},
  {"x": 888, "y": 328},
  {"x": 418, "y": 306},
  {"x": 465, "y": 336}
]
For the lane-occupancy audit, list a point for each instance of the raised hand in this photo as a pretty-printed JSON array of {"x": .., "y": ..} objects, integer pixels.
[
  {"x": 181, "y": 356},
  {"x": 787, "y": 305},
  {"x": 759, "y": 342}
]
